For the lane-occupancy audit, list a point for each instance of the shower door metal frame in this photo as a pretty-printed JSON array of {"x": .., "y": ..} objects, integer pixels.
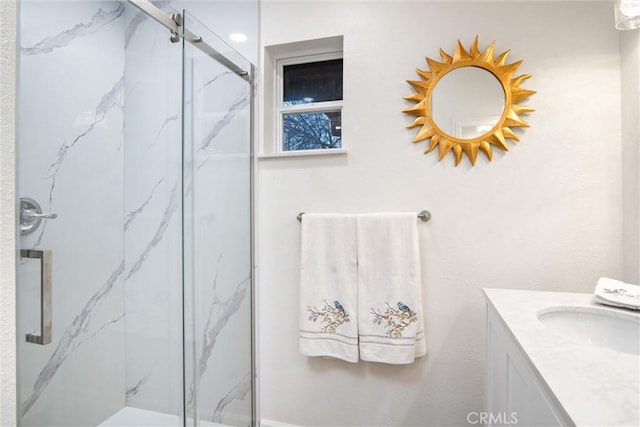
[{"x": 177, "y": 30}]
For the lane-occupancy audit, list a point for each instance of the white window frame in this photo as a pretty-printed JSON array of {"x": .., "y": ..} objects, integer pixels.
[{"x": 311, "y": 107}]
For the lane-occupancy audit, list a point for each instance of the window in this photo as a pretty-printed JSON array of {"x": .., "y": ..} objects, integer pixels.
[
  {"x": 309, "y": 103},
  {"x": 301, "y": 106}
]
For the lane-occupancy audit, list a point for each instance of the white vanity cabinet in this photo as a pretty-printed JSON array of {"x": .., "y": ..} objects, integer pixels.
[
  {"x": 537, "y": 374},
  {"x": 513, "y": 393}
]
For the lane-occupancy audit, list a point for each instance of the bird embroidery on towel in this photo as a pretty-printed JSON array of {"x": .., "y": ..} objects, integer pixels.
[
  {"x": 404, "y": 307},
  {"x": 330, "y": 317},
  {"x": 339, "y": 306},
  {"x": 397, "y": 319}
]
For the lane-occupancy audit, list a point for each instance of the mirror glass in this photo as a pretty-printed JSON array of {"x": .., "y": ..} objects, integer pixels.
[{"x": 467, "y": 102}]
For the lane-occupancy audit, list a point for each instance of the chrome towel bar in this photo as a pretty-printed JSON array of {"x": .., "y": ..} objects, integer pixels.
[{"x": 423, "y": 216}]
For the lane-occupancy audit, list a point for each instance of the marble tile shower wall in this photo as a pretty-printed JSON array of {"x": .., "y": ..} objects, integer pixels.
[
  {"x": 153, "y": 217},
  {"x": 70, "y": 159},
  {"x": 110, "y": 166}
]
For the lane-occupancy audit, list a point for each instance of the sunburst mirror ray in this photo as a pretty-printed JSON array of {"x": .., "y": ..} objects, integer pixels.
[{"x": 501, "y": 130}]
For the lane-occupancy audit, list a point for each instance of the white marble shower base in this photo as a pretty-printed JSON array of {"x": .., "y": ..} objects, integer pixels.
[{"x": 134, "y": 417}]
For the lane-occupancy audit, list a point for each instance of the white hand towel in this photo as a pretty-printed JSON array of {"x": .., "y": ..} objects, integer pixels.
[
  {"x": 617, "y": 293},
  {"x": 390, "y": 318},
  {"x": 328, "y": 272}
]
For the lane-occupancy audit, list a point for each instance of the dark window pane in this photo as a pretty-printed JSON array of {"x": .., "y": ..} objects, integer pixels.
[
  {"x": 312, "y": 131},
  {"x": 312, "y": 82}
]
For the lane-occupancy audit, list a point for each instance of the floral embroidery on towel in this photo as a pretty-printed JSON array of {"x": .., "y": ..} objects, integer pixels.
[
  {"x": 331, "y": 317},
  {"x": 397, "y": 318},
  {"x": 621, "y": 293}
]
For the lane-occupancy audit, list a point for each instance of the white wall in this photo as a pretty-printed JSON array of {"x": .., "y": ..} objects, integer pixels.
[
  {"x": 546, "y": 215},
  {"x": 630, "y": 72},
  {"x": 7, "y": 213}
]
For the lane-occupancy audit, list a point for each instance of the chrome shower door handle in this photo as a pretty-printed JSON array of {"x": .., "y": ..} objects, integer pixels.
[
  {"x": 31, "y": 215},
  {"x": 44, "y": 337}
]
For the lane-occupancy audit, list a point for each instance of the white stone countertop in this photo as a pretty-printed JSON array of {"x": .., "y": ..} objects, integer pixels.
[{"x": 596, "y": 386}]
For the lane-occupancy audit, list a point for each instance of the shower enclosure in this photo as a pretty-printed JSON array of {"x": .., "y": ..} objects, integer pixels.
[{"x": 134, "y": 174}]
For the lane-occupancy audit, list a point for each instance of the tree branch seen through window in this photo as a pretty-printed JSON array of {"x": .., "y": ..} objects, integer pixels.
[{"x": 312, "y": 131}]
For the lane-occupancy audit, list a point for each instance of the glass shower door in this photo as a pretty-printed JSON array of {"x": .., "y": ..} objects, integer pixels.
[
  {"x": 71, "y": 354},
  {"x": 217, "y": 230},
  {"x": 99, "y": 285},
  {"x": 134, "y": 169}
]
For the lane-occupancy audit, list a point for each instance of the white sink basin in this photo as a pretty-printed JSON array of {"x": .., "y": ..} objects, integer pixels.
[{"x": 616, "y": 330}]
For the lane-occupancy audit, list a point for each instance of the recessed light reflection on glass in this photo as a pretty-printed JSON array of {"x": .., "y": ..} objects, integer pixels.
[{"x": 238, "y": 37}]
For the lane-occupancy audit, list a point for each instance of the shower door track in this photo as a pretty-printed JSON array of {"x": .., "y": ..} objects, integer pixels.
[{"x": 150, "y": 9}]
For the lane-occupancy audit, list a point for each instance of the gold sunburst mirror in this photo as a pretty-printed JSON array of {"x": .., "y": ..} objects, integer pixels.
[{"x": 441, "y": 115}]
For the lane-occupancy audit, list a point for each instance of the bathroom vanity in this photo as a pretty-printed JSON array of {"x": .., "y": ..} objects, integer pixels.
[{"x": 559, "y": 359}]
